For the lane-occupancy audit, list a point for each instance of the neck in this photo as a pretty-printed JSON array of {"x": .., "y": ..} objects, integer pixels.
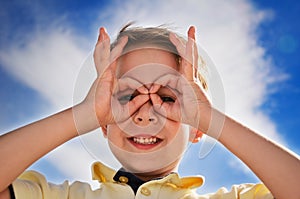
[{"x": 157, "y": 174}]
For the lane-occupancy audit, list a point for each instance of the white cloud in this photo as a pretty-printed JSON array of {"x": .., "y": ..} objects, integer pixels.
[{"x": 49, "y": 62}]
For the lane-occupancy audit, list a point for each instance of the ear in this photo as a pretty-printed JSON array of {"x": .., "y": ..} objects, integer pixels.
[
  {"x": 195, "y": 135},
  {"x": 104, "y": 130}
]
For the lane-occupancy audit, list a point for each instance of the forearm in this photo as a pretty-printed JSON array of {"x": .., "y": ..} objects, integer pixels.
[
  {"x": 275, "y": 166},
  {"x": 5, "y": 194},
  {"x": 23, "y": 146}
]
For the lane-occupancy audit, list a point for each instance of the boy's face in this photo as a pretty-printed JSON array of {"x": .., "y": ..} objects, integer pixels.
[{"x": 147, "y": 141}]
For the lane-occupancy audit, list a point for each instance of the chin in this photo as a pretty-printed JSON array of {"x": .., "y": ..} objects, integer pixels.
[{"x": 160, "y": 161}]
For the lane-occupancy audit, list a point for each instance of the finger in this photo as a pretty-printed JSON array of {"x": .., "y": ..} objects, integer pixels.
[
  {"x": 116, "y": 53},
  {"x": 137, "y": 102},
  {"x": 180, "y": 46},
  {"x": 156, "y": 100},
  {"x": 188, "y": 68},
  {"x": 102, "y": 34},
  {"x": 154, "y": 88},
  {"x": 102, "y": 51},
  {"x": 118, "y": 49},
  {"x": 103, "y": 42},
  {"x": 132, "y": 84},
  {"x": 189, "y": 52},
  {"x": 196, "y": 59},
  {"x": 172, "y": 112},
  {"x": 131, "y": 107},
  {"x": 169, "y": 80},
  {"x": 192, "y": 34},
  {"x": 186, "y": 52},
  {"x": 157, "y": 105}
]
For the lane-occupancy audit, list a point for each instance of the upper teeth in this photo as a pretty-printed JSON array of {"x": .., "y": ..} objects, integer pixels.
[{"x": 141, "y": 140}]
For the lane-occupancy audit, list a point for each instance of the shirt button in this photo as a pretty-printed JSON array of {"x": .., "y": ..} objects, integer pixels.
[
  {"x": 123, "y": 179},
  {"x": 145, "y": 191}
]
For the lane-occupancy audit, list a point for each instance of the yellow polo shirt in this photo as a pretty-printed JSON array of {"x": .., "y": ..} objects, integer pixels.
[{"x": 33, "y": 185}]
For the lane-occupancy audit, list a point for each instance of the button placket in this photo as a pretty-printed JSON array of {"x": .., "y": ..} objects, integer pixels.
[{"x": 123, "y": 179}]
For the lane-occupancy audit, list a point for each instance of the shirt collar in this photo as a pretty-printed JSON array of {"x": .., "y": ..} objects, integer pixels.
[
  {"x": 104, "y": 174},
  {"x": 133, "y": 181}
]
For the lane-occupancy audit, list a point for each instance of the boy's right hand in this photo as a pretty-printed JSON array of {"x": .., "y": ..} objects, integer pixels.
[{"x": 102, "y": 93}]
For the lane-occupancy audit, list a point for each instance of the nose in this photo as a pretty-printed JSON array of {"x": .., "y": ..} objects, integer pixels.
[{"x": 145, "y": 115}]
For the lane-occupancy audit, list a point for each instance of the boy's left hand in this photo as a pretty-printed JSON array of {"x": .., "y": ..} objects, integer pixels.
[{"x": 192, "y": 106}]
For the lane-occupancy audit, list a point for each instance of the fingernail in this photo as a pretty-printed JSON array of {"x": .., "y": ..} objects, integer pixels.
[
  {"x": 193, "y": 28},
  {"x": 153, "y": 89},
  {"x": 143, "y": 90},
  {"x": 103, "y": 33},
  {"x": 103, "y": 29}
]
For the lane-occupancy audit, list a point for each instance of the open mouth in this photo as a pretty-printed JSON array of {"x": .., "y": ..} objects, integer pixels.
[{"x": 145, "y": 142}]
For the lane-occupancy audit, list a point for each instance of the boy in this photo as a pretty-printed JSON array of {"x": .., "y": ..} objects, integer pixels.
[{"x": 146, "y": 93}]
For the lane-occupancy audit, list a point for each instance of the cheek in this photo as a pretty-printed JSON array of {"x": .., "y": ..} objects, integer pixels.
[
  {"x": 115, "y": 135},
  {"x": 172, "y": 129}
]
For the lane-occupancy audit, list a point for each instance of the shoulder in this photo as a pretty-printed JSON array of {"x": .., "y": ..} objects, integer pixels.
[
  {"x": 32, "y": 184},
  {"x": 245, "y": 191}
]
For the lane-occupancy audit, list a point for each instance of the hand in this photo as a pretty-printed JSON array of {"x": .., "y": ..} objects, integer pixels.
[
  {"x": 102, "y": 93},
  {"x": 191, "y": 107}
]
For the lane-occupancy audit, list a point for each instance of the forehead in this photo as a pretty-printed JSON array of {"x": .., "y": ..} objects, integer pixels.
[{"x": 146, "y": 64}]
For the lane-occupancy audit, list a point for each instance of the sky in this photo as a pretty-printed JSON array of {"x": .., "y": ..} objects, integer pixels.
[{"x": 45, "y": 48}]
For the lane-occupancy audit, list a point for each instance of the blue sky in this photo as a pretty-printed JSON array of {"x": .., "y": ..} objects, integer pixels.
[
  {"x": 280, "y": 36},
  {"x": 254, "y": 45}
]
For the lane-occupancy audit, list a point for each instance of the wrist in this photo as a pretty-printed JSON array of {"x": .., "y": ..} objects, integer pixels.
[
  {"x": 85, "y": 118},
  {"x": 210, "y": 121},
  {"x": 204, "y": 118}
]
